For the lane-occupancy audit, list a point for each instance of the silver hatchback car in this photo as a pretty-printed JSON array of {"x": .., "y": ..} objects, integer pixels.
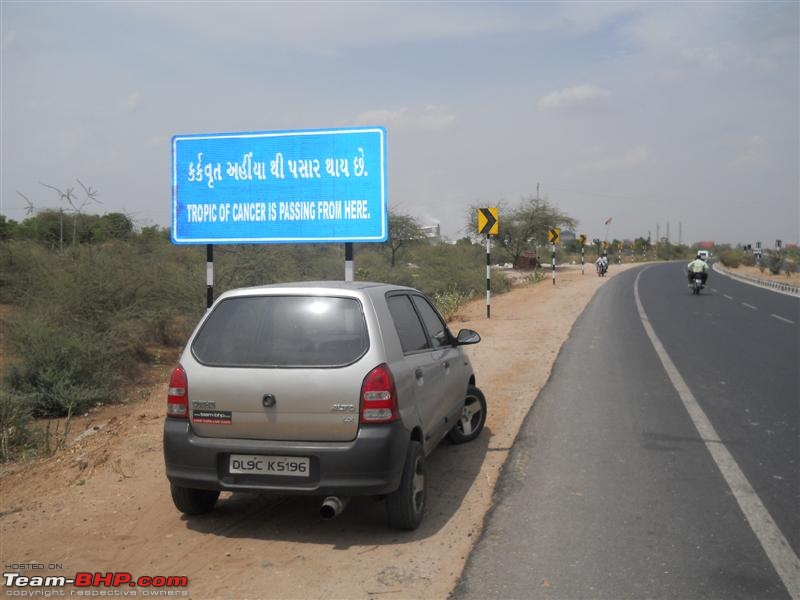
[{"x": 329, "y": 388}]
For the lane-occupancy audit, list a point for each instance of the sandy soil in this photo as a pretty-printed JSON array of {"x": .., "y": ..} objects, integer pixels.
[{"x": 103, "y": 504}]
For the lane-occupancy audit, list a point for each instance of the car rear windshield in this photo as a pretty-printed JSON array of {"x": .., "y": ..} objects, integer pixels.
[{"x": 282, "y": 331}]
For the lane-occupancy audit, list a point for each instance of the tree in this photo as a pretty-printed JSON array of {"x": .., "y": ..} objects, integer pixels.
[
  {"x": 116, "y": 226},
  {"x": 7, "y": 227},
  {"x": 404, "y": 230}
]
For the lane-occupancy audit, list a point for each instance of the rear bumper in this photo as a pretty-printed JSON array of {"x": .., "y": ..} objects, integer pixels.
[{"x": 371, "y": 464}]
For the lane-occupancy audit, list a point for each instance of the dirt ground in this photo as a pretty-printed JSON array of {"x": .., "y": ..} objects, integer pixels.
[{"x": 103, "y": 504}]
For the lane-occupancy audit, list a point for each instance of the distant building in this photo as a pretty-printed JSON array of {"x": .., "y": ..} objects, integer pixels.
[
  {"x": 568, "y": 236},
  {"x": 705, "y": 245},
  {"x": 432, "y": 233}
]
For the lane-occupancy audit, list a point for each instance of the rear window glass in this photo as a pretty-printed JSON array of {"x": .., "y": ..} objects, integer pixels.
[{"x": 282, "y": 331}]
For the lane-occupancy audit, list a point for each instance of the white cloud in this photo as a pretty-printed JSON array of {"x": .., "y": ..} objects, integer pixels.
[
  {"x": 427, "y": 118},
  {"x": 576, "y": 96},
  {"x": 624, "y": 161},
  {"x": 326, "y": 28}
]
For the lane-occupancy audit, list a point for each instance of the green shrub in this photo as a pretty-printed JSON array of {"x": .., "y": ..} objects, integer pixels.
[
  {"x": 537, "y": 276},
  {"x": 774, "y": 263},
  {"x": 59, "y": 370},
  {"x": 90, "y": 314},
  {"x": 449, "y": 302},
  {"x": 731, "y": 258},
  {"x": 443, "y": 268}
]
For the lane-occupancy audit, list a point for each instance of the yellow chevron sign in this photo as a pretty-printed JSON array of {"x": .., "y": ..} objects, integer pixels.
[
  {"x": 488, "y": 221},
  {"x": 553, "y": 235}
]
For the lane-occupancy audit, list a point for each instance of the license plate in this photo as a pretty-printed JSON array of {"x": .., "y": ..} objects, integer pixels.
[{"x": 255, "y": 464}]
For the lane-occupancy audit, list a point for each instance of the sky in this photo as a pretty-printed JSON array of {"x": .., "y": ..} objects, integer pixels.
[{"x": 677, "y": 114}]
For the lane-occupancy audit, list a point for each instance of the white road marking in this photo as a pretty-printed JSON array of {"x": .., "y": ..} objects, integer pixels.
[
  {"x": 780, "y": 318},
  {"x": 749, "y": 305},
  {"x": 728, "y": 297},
  {"x": 778, "y": 550},
  {"x": 714, "y": 290}
]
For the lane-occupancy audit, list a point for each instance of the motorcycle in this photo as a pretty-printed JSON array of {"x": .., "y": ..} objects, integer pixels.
[
  {"x": 696, "y": 284},
  {"x": 601, "y": 269}
]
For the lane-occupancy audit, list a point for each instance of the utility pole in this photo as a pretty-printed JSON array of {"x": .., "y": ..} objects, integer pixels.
[
  {"x": 668, "y": 240},
  {"x": 658, "y": 237},
  {"x": 680, "y": 232}
]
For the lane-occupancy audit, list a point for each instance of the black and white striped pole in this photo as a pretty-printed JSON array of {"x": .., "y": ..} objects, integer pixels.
[
  {"x": 488, "y": 278},
  {"x": 488, "y": 225},
  {"x": 552, "y": 235},
  {"x": 583, "y": 262},
  {"x": 348, "y": 261},
  {"x": 209, "y": 275},
  {"x": 582, "y": 240}
]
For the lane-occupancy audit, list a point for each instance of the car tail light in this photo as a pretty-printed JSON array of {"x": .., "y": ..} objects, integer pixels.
[
  {"x": 178, "y": 394},
  {"x": 379, "y": 397}
]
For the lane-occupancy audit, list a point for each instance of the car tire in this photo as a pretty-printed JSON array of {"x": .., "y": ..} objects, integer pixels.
[
  {"x": 193, "y": 502},
  {"x": 405, "y": 506},
  {"x": 472, "y": 419}
]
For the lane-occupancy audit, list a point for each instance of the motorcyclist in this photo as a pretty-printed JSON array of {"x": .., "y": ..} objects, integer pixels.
[
  {"x": 602, "y": 263},
  {"x": 698, "y": 267}
]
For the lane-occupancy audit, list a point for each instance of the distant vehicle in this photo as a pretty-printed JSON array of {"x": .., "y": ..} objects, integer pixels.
[
  {"x": 601, "y": 264},
  {"x": 704, "y": 254},
  {"x": 332, "y": 389}
]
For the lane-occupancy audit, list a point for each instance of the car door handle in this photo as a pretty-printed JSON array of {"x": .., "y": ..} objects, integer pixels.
[{"x": 418, "y": 373}]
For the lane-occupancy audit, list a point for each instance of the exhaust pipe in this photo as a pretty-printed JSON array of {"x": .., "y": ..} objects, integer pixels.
[{"x": 332, "y": 507}]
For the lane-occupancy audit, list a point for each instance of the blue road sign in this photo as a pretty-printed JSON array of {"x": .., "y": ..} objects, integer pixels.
[{"x": 301, "y": 186}]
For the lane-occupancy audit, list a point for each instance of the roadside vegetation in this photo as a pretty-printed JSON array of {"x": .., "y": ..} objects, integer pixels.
[{"x": 774, "y": 261}]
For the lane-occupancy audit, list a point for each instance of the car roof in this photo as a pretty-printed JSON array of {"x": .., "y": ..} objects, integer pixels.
[{"x": 317, "y": 287}]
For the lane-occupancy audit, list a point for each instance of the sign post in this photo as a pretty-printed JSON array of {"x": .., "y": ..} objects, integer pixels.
[
  {"x": 582, "y": 239},
  {"x": 209, "y": 275},
  {"x": 348, "y": 261},
  {"x": 489, "y": 225},
  {"x": 553, "y": 235}
]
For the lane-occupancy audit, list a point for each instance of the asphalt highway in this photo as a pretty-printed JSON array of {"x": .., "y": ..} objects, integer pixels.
[{"x": 616, "y": 488}]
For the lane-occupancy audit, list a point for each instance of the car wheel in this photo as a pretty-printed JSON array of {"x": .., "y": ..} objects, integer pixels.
[
  {"x": 473, "y": 417},
  {"x": 193, "y": 502},
  {"x": 406, "y": 505}
]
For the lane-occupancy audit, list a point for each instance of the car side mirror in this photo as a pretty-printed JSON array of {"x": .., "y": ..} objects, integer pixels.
[{"x": 467, "y": 336}]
